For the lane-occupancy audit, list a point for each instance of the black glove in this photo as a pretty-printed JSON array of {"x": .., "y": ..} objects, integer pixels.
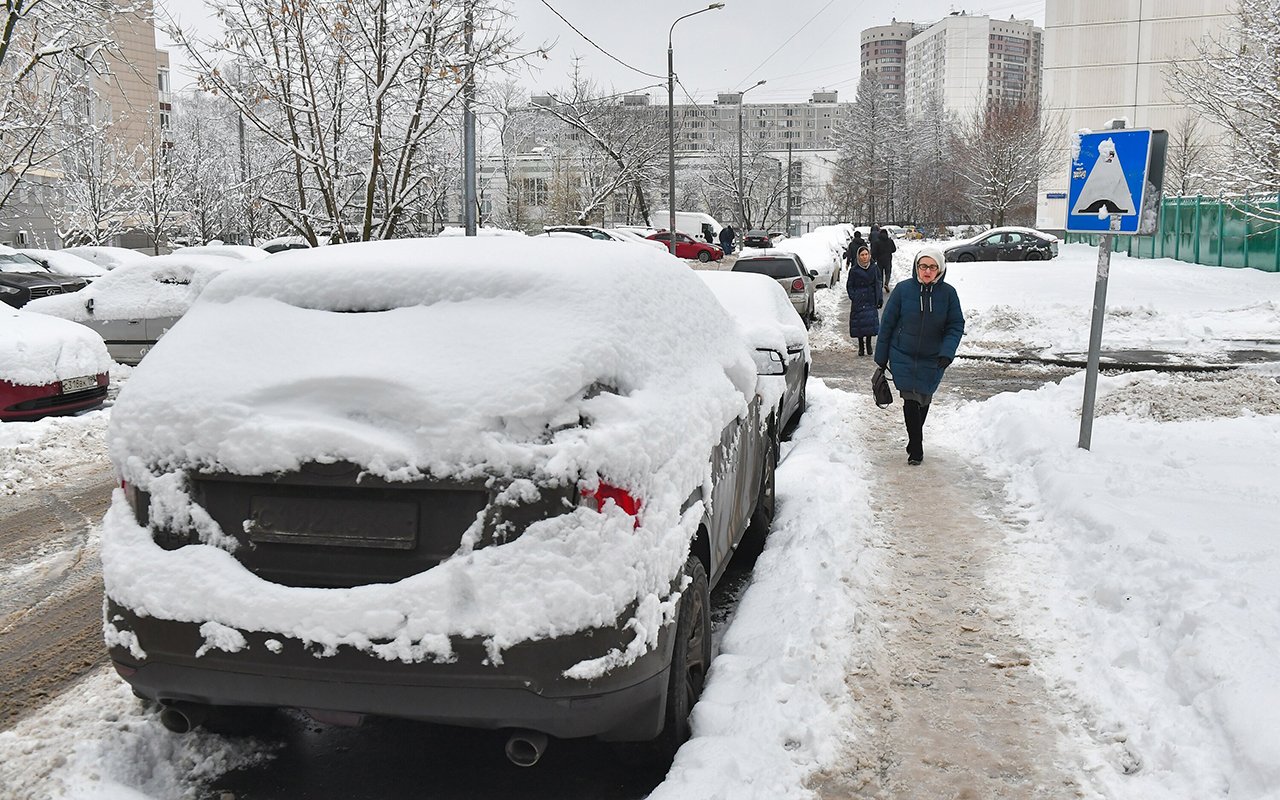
[
  {"x": 882, "y": 366},
  {"x": 944, "y": 362}
]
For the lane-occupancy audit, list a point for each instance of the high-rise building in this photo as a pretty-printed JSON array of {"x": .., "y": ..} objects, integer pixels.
[
  {"x": 1106, "y": 61},
  {"x": 884, "y": 56},
  {"x": 966, "y": 62}
]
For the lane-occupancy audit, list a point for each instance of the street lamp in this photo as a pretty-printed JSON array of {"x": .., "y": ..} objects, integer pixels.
[
  {"x": 742, "y": 203},
  {"x": 671, "y": 127}
]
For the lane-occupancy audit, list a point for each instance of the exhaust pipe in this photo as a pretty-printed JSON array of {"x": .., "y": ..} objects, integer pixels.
[
  {"x": 524, "y": 748},
  {"x": 181, "y": 717}
]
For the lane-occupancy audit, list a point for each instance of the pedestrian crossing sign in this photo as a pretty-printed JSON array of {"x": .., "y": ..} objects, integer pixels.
[{"x": 1112, "y": 174}]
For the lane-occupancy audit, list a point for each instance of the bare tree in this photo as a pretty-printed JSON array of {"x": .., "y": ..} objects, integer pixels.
[
  {"x": 93, "y": 202},
  {"x": 1002, "y": 153},
  {"x": 357, "y": 99},
  {"x": 148, "y": 171},
  {"x": 1186, "y": 158},
  {"x": 761, "y": 203},
  {"x": 1235, "y": 84},
  {"x": 47, "y": 50},
  {"x": 872, "y": 149}
]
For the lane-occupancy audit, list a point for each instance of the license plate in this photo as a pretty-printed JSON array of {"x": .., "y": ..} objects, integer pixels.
[
  {"x": 377, "y": 524},
  {"x": 79, "y": 384}
]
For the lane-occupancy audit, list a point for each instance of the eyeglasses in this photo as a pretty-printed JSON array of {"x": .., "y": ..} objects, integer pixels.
[{"x": 933, "y": 267}]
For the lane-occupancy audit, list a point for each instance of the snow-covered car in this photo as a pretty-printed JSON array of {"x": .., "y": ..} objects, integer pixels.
[
  {"x": 65, "y": 263},
  {"x": 281, "y": 243},
  {"x": 790, "y": 271},
  {"x": 1009, "y": 243},
  {"x": 239, "y": 252},
  {"x": 107, "y": 257},
  {"x": 133, "y": 306},
  {"x": 604, "y": 234},
  {"x": 769, "y": 322},
  {"x": 488, "y": 484},
  {"x": 49, "y": 366},
  {"x": 23, "y": 279},
  {"x": 818, "y": 256}
]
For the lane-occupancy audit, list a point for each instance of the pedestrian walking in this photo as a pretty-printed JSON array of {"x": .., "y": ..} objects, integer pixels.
[
  {"x": 851, "y": 251},
  {"x": 727, "y": 234},
  {"x": 882, "y": 250},
  {"x": 863, "y": 287},
  {"x": 919, "y": 334}
]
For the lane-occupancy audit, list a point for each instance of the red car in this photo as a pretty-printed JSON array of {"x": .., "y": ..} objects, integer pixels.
[
  {"x": 688, "y": 247},
  {"x": 49, "y": 366}
]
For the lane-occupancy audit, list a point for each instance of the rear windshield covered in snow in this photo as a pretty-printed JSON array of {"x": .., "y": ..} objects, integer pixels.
[{"x": 773, "y": 267}]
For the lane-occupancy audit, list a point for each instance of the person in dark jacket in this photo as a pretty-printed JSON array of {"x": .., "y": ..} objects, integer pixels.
[
  {"x": 882, "y": 250},
  {"x": 851, "y": 252},
  {"x": 726, "y": 239},
  {"x": 863, "y": 287},
  {"x": 919, "y": 334}
]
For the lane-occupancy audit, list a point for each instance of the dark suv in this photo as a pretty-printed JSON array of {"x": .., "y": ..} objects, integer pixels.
[
  {"x": 490, "y": 489},
  {"x": 23, "y": 279}
]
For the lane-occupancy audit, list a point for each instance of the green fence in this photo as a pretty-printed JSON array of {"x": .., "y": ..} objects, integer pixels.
[{"x": 1206, "y": 230}]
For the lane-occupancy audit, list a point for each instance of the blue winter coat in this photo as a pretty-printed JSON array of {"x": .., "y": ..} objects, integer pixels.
[
  {"x": 863, "y": 287},
  {"x": 921, "y": 323}
]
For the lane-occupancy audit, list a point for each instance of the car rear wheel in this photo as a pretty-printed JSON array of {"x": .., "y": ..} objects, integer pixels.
[
  {"x": 966, "y": 257},
  {"x": 704, "y": 256},
  {"x": 1034, "y": 255},
  {"x": 766, "y": 501}
]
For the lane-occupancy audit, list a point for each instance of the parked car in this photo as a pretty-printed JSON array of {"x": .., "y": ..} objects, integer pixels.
[
  {"x": 687, "y": 247},
  {"x": 49, "y": 366},
  {"x": 23, "y": 279},
  {"x": 133, "y": 306},
  {"x": 62, "y": 263},
  {"x": 694, "y": 224},
  {"x": 789, "y": 271},
  {"x": 758, "y": 239},
  {"x": 767, "y": 319},
  {"x": 1005, "y": 244},
  {"x": 604, "y": 234},
  {"x": 107, "y": 257},
  {"x": 490, "y": 488},
  {"x": 239, "y": 252},
  {"x": 818, "y": 256}
]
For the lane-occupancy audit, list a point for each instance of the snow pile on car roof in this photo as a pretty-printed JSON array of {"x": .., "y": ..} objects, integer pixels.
[
  {"x": 760, "y": 307},
  {"x": 162, "y": 286},
  {"x": 463, "y": 358},
  {"x": 36, "y": 350}
]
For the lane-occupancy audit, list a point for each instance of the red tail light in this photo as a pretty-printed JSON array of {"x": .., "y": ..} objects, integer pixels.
[
  {"x": 605, "y": 493},
  {"x": 797, "y": 285}
]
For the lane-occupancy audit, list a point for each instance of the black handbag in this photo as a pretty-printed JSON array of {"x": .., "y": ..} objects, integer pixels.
[{"x": 880, "y": 388}]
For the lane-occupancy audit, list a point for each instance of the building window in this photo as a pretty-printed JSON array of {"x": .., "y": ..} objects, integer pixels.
[{"x": 534, "y": 191}]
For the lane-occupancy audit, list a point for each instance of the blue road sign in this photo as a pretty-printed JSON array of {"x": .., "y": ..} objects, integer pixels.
[{"x": 1108, "y": 176}]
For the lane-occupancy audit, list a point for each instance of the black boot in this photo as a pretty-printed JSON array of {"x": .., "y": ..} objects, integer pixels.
[
  {"x": 862, "y": 348},
  {"x": 913, "y": 415}
]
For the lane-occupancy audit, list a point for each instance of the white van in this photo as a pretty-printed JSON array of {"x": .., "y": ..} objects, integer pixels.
[{"x": 690, "y": 223}]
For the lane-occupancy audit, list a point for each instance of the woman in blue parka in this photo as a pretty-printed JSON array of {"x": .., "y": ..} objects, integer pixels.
[
  {"x": 919, "y": 334},
  {"x": 863, "y": 287}
]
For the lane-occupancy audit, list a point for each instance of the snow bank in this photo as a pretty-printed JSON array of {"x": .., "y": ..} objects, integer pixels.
[
  {"x": 36, "y": 350},
  {"x": 775, "y": 708},
  {"x": 1146, "y": 568}
]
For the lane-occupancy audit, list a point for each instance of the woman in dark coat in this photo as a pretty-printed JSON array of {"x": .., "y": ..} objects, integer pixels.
[
  {"x": 882, "y": 250},
  {"x": 919, "y": 334},
  {"x": 863, "y": 287}
]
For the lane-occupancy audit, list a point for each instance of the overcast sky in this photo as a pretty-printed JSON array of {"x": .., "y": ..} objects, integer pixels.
[{"x": 812, "y": 44}]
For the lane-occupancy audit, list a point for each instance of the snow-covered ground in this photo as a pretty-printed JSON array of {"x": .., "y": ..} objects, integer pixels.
[{"x": 1143, "y": 572}]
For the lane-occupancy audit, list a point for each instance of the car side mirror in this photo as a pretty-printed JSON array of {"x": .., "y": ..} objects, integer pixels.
[
  {"x": 813, "y": 273},
  {"x": 88, "y": 305},
  {"x": 770, "y": 362}
]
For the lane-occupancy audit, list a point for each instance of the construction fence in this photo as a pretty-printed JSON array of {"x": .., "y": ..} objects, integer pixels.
[{"x": 1206, "y": 230}]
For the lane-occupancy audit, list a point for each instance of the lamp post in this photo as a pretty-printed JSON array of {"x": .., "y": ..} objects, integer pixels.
[
  {"x": 742, "y": 201},
  {"x": 671, "y": 128}
]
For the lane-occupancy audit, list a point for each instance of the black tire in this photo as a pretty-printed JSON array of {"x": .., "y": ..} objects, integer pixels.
[
  {"x": 704, "y": 256},
  {"x": 1034, "y": 255},
  {"x": 690, "y": 660},
  {"x": 966, "y": 257},
  {"x": 766, "y": 504}
]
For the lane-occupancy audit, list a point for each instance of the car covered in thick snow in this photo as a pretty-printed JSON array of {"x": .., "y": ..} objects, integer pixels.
[
  {"x": 105, "y": 256},
  {"x": 132, "y": 306},
  {"x": 49, "y": 366},
  {"x": 769, "y": 322},
  {"x": 23, "y": 279},
  {"x": 62, "y": 263},
  {"x": 488, "y": 484}
]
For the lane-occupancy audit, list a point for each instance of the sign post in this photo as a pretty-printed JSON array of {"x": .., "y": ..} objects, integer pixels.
[{"x": 1116, "y": 178}]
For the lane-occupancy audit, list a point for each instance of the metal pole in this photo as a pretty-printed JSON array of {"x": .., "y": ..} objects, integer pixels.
[
  {"x": 788, "y": 188},
  {"x": 742, "y": 212},
  {"x": 469, "y": 137},
  {"x": 671, "y": 146},
  {"x": 1095, "y": 334}
]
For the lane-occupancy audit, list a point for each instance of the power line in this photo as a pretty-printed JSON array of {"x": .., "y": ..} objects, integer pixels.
[
  {"x": 785, "y": 43},
  {"x": 598, "y": 47}
]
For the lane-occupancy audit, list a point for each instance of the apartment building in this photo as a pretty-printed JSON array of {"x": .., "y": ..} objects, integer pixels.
[
  {"x": 1106, "y": 61},
  {"x": 884, "y": 56},
  {"x": 969, "y": 61}
]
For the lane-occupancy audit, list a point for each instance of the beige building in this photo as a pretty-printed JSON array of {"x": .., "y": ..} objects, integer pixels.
[
  {"x": 884, "y": 56},
  {"x": 1109, "y": 59},
  {"x": 966, "y": 62}
]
